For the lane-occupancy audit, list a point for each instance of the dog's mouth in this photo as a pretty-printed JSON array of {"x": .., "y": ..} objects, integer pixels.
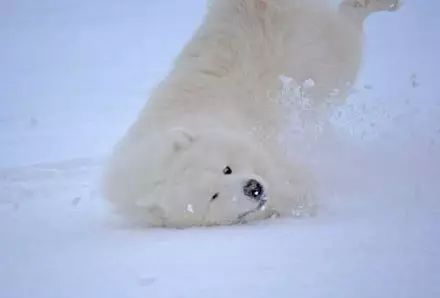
[{"x": 242, "y": 216}]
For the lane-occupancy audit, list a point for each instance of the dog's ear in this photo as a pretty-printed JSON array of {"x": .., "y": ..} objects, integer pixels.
[{"x": 181, "y": 138}]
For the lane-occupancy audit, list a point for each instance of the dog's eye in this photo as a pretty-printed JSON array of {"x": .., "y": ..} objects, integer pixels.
[{"x": 227, "y": 171}]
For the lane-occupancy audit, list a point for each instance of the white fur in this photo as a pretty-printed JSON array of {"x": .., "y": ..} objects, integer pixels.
[{"x": 213, "y": 111}]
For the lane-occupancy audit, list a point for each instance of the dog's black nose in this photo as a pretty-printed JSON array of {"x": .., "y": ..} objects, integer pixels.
[{"x": 254, "y": 190}]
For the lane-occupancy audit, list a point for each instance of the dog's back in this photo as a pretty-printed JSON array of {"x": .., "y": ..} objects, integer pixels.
[{"x": 255, "y": 41}]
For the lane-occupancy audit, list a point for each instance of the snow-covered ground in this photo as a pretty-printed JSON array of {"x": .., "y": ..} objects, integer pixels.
[{"x": 73, "y": 76}]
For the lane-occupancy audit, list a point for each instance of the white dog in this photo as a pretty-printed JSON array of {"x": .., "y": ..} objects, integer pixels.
[{"x": 204, "y": 150}]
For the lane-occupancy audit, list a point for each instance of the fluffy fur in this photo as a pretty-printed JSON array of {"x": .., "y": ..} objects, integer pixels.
[{"x": 213, "y": 111}]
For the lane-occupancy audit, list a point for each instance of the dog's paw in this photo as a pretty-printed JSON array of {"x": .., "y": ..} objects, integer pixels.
[
  {"x": 360, "y": 9},
  {"x": 377, "y": 5}
]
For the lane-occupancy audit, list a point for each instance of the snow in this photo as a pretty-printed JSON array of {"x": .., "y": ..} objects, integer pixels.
[
  {"x": 75, "y": 74},
  {"x": 190, "y": 208}
]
